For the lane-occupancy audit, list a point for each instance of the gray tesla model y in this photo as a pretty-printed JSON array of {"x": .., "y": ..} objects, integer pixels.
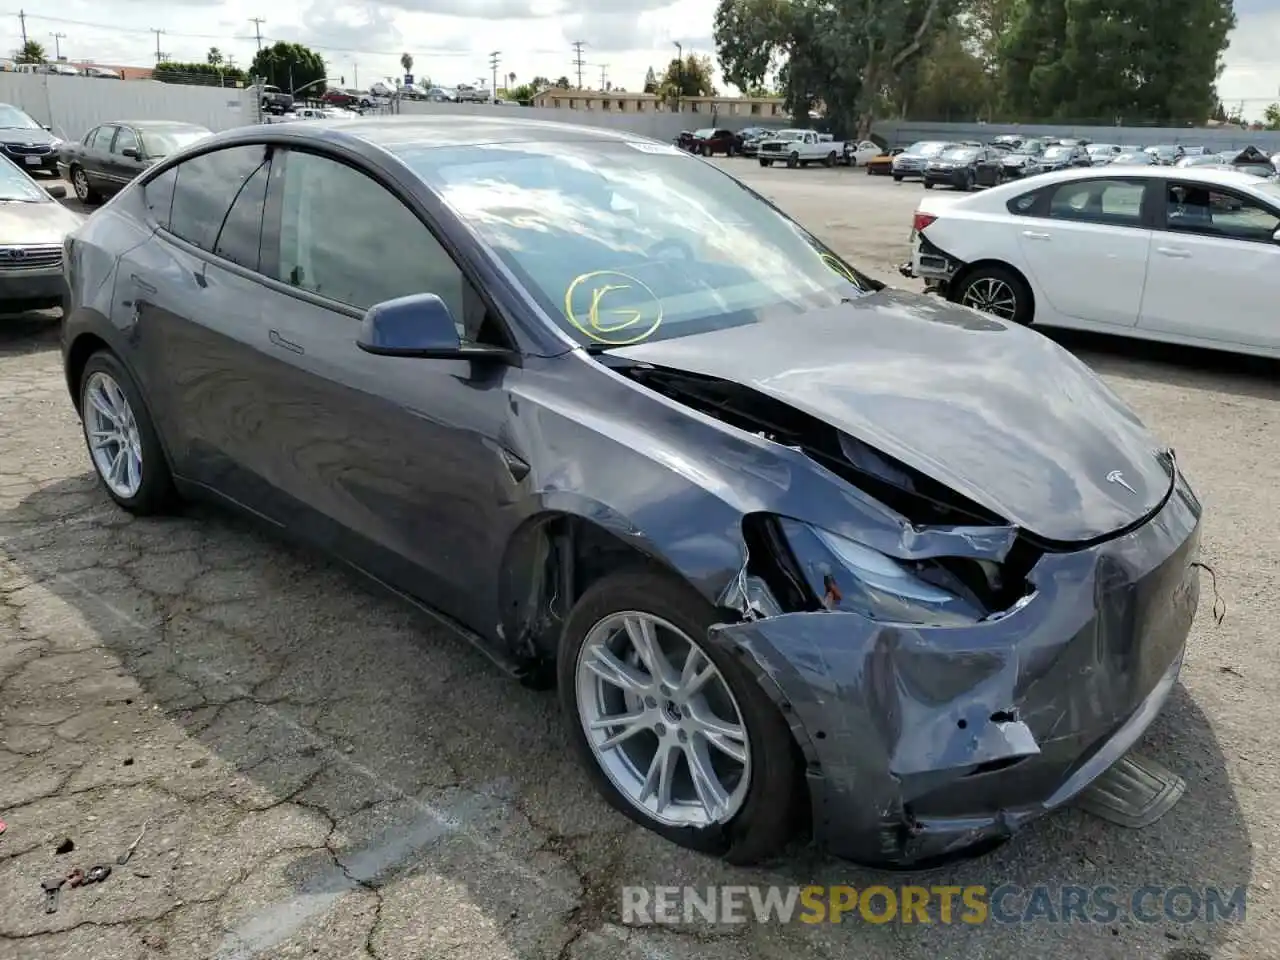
[{"x": 785, "y": 540}]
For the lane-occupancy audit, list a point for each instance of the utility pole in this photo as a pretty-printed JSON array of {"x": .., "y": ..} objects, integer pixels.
[
  {"x": 158, "y": 33},
  {"x": 577, "y": 59},
  {"x": 355, "y": 75},
  {"x": 604, "y": 75},
  {"x": 22, "y": 19},
  {"x": 57, "y": 44},
  {"x": 257, "y": 29},
  {"x": 493, "y": 66}
]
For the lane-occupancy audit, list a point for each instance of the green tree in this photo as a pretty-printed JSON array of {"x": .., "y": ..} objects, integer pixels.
[
  {"x": 690, "y": 77},
  {"x": 1271, "y": 117},
  {"x": 950, "y": 83},
  {"x": 1108, "y": 60},
  {"x": 562, "y": 83},
  {"x": 167, "y": 71},
  {"x": 214, "y": 57},
  {"x": 523, "y": 93},
  {"x": 290, "y": 66},
  {"x": 31, "y": 52},
  {"x": 406, "y": 61},
  {"x": 539, "y": 82},
  {"x": 1220, "y": 113},
  {"x": 843, "y": 54}
]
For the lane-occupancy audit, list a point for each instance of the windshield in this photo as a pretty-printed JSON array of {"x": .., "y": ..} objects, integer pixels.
[
  {"x": 1055, "y": 153},
  {"x": 626, "y": 242},
  {"x": 1164, "y": 151},
  {"x": 791, "y": 135},
  {"x": 960, "y": 154},
  {"x": 927, "y": 148},
  {"x": 161, "y": 143},
  {"x": 16, "y": 186},
  {"x": 1134, "y": 157},
  {"x": 1031, "y": 147},
  {"x": 12, "y": 118},
  {"x": 1101, "y": 148},
  {"x": 703, "y": 133}
]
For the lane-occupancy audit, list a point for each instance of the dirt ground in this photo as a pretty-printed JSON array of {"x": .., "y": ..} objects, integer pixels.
[{"x": 325, "y": 773}]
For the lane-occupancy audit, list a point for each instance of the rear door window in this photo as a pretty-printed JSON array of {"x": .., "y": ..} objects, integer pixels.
[
  {"x": 206, "y": 187},
  {"x": 1112, "y": 202}
]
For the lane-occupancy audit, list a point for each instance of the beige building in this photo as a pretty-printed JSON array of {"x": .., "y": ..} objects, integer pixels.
[{"x": 621, "y": 101}]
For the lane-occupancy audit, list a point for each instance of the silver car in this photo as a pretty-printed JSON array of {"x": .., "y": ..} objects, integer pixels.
[{"x": 33, "y": 226}]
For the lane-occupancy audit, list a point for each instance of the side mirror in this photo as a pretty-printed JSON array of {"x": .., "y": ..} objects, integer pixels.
[
  {"x": 47, "y": 127},
  {"x": 130, "y": 152},
  {"x": 56, "y": 190},
  {"x": 420, "y": 325}
]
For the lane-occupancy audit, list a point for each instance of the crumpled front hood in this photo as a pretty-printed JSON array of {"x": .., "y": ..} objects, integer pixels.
[{"x": 999, "y": 413}]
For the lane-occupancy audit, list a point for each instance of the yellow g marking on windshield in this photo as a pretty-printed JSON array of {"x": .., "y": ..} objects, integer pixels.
[
  {"x": 839, "y": 268},
  {"x": 613, "y": 325}
]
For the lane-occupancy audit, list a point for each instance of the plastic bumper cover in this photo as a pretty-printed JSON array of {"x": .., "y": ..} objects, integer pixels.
[{"x": 923, "y": 742}]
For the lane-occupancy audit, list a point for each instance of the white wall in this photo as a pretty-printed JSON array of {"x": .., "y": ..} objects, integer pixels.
[{"x": 74, "y": 105}]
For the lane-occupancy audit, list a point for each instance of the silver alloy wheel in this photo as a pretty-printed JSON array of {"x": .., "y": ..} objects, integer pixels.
[
  {"x": 991, "y": 295},
  {"x": 81, "y": 183},
  {"x": 662, "y": 722},
  {"x": 112, "y": 433}
]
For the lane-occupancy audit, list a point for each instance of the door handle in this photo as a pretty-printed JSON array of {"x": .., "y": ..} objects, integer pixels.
[
  {"x": 1174, "y": 252},
  {"x": 284, "y": 344},
  {"x": 142, "y": 284},
  {"x": 1032, "y": 235}
]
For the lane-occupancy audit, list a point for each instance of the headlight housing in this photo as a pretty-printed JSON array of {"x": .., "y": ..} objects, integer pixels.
[{"x": 939, "y": 591}]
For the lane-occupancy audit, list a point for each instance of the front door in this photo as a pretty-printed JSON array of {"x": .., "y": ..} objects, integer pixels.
[
  {"x": 1086, "y": 247},
  {"x": 120, "y": 168},
  {"x": 1215, "y": 267},
  {"x": 399, "y": 461}
]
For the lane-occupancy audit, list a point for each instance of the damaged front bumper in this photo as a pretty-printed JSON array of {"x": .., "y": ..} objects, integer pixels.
[{"x": 924, "y": 742}]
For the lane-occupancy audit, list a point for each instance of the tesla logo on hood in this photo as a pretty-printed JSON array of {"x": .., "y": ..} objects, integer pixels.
[{"x": 1115, "y": 476}]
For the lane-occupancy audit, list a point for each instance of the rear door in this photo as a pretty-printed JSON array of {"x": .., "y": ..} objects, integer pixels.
[
  {"x": 1215, "y": 267},
  {"x": 1086, "y": 244},
  {"x": 121, "y": 168}
]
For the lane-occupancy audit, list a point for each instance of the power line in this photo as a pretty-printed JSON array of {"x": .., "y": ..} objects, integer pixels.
[
  {"x": 577, "y": 59},
  {"x": 257, "y": 29}
]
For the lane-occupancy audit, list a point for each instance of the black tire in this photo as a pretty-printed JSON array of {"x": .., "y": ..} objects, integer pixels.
[
  {"x": 831, "y": 159},
  {"x": 928, "y": 185},
  {"x": 156, "y": 493},
  {"x": 84, "y": 190},
  {"x": 969, "y": 182},
  {"x": 767, "y": 818},
  {"x": 766, "y": 163},
  {"x": 897, "y": 178},
  {"x": 1024, "y": 307},
  {"x": 793, "y": 161}
]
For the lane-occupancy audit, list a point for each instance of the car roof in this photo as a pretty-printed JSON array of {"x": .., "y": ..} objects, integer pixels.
[
  {"x": 397, "y": 133},
  {"x": 1210, "y": 176},
  {"x": 156, "y": 124}
]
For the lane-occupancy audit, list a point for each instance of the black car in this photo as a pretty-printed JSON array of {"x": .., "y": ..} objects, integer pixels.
[
  {"x": 964, "y": 168},
  {"x": 1064, "y": 156},
  {"x": 110, "y": 155},
  {"x": 785, "y": 539},
  {"x": 749, "y": 140},
  {"x": 1025, "y": 161},
  {"x": 28, "y": 144}
]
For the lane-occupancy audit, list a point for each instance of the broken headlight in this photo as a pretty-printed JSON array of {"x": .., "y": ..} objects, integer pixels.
[{"x": 850, "y": 576}]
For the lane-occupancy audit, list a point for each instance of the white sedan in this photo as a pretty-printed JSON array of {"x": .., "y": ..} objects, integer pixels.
[{"x": 1184, "y": 255}]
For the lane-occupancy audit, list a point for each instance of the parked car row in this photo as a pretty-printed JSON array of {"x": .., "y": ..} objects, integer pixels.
[{"x": 792, "y": 147}]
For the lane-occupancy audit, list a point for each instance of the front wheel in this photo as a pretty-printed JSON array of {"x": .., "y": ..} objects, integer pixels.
[
  {"x": 85, "y": 192},
  {"x": 995, "y": 290},
  {"x": 121, "y": 437},
  {"x": 766, "y": 163},
  {"x": 928, "y": 185},
  {"x": 793, "y": 161},
  {"x": 969, "y": 182},
  {"x": 897, "y": 178},
  {"x": 674, "y": 731}
]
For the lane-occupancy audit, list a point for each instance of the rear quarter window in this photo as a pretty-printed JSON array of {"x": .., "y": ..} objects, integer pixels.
[{"x": 1023, "y": 204}]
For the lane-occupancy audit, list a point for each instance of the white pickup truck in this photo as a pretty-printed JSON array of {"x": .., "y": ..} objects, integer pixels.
[{"x": 799, "y": 148}]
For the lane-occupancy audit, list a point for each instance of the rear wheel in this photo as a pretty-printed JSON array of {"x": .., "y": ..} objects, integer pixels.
[
  {"x": 831, "y": 159},
  {"x": 995, "y": 290},
  {"x": 674, "y": 731},
  {"x": 122, "y": 440}
]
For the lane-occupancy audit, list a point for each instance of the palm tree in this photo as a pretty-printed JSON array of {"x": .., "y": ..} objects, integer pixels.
[
  {"x": 511, "y": 79},
  {"x": 406, "y": 61},
  {"x": 31, "y": 52},
  {"x": 214, "y": 57}
]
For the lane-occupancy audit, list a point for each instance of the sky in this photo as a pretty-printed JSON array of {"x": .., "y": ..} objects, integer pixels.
[{"x": 451, "y": 40}]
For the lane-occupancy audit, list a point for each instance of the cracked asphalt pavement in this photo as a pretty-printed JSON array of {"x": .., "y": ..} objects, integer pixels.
[{"x": 323, "y": 772}]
